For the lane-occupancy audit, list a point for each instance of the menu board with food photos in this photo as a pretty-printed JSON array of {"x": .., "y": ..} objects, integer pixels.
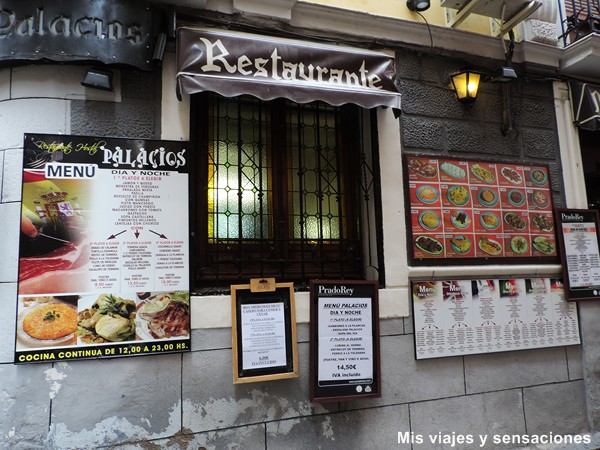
[
  {"x": 463, "y": 211},
  {"x": 463, "y": 317},
  {"x": 103, "y": 249}
]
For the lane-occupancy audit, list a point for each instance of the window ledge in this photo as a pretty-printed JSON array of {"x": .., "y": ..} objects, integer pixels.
[{"x": 214, "y": 311}]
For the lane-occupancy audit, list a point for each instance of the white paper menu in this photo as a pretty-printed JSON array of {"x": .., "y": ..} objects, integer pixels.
[{"x": 462, "y": 317}]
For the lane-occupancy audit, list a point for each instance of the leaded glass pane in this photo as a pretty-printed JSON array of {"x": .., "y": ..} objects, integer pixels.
[
  {"x": 239, "y": 170},
  {"x": 314, "y": 166}
]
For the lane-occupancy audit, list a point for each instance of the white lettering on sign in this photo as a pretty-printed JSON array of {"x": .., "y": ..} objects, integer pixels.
[
  {"x": 277, "y": 69},
  {"x": 60, "y": 170}
]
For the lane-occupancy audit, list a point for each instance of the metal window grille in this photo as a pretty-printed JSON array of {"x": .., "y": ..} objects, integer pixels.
[{"x": 279, "y": 197}]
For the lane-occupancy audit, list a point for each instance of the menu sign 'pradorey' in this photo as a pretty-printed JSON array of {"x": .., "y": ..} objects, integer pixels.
[
  {"x": 103, "y": 256},
  {"x": 344, "y": 345},
  {"x": 578, "y": 239}
]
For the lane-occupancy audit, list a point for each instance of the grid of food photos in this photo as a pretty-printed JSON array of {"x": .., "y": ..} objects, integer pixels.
[{"x": 476, "y": 209}]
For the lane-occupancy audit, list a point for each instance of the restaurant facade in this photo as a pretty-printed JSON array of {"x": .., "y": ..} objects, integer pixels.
[{"x": 319, "y": 158}]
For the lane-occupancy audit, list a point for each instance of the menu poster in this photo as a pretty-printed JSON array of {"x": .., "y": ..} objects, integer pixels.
[
  {"x": 103, "y": 251},
  {"x": 263, "y": 331},
  {"x": 344, "y": 345},
  {"x": 578, "y": 241},
  {"x": 464, "y": 211},
  {"x": 465, "y": 317}
]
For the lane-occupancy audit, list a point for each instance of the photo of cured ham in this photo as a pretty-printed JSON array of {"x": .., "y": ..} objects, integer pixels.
[
  {"x": 60, "y": 271},
  {"x": 53, "y": 252}
]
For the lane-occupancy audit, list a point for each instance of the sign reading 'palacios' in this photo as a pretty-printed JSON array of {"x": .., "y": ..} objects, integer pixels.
[{"x": 115, "y": 32}]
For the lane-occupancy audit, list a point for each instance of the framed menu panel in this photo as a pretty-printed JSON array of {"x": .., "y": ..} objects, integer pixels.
[
  {"x": 463, "y": 317},
  {"x": 263, "y": 331},
  {"x": 103, "y": 251},
  {"x": 466, "y": 211},
  {"x": 580, "y": 253},
  {"x": 344, "y": 340}
]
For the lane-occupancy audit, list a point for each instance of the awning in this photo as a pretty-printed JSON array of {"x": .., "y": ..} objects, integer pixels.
[
  {"x": 232, "y": 63},
  {"x": 586, "y": 105}
]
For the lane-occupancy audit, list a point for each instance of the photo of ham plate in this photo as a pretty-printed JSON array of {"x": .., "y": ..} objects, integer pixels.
[
  {"x": 163, "y": 315},
  {"x": 63, "y": 270},
  {"x": 54, "y": 259}
]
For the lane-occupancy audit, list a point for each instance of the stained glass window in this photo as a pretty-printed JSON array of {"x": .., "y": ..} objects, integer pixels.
[{"x": 280, "y": 189}]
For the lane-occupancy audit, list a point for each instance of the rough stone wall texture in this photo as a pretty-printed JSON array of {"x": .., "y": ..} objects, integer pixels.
[
  {"x": 188, "y": 401},
  {"x": 434, "y": 122}
]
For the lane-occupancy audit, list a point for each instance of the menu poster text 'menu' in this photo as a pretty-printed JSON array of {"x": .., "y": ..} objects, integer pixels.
[{"x": 103, "y": 256}]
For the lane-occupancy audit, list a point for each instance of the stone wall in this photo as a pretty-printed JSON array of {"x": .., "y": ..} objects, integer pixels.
[{"x": 189, "y": 401}]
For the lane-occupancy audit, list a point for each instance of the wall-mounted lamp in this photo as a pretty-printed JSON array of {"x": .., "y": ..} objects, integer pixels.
[
  {"x": 466, "y": 84},
  {"x": 98, "y": 79},
  {"x": 418, "y": 5}
]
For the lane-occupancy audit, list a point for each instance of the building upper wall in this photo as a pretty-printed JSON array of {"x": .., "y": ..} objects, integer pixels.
[{"x": 435, "y": 15}]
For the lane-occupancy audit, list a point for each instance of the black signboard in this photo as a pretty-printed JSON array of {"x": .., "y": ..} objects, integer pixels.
[
  {"x": 103, "y": 249},
  {"x": 586, "y": 105},
  {"x": 233, "y": 63},
  {"x": 107, "y": 31},
  {"x": 344, "y": 340},
  {"x": 578, "y": 238},
  {"x": 263, "y": 331}
]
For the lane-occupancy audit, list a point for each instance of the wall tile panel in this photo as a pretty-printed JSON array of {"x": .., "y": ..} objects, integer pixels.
[
  {"x": 211, "y": 400},
  {"x": 25, "y": 393},
  {"x": 111, "y": 401},
  {"x": 9, "y": 224},
  {"x": 498, "y": 413},
  {"x": 8, "y": 313},
  {"x": 507, "y": 370},
  {"x": 559, "y": 408},
  {"x": 366, "y": 429},
  {"x": 404, "y": 379}
]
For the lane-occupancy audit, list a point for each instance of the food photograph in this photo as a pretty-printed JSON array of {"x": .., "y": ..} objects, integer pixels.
[
  {"x": 483, "y": 173},
  {"x": 487, "y": 197},
  {"x": 429, "y": 220},
  {"x": 457, "y": 196},
  {"x": 460, "y": 245},
  {"x": 538, "y": 177},
  {"x": 421, "y": 168},
  {"x": 53, "y": 253},
  {"x": 514, "y": 197},
  {"x": 429, "y": 245},
  {"x": 460, "y": 219},
  {"x": 427, "y": 194},
  {"x": 163, "y": 315},
  {"x": 106, "y": 318},
  {"x": 510, "y": 176},
  {"x": 46, "y": 321},
  {"x": 489, "y": 220},
  {"x": 452, "y": 172},
  {"x": 478, "y": 209},
  {"x": 519, "y": 245}
]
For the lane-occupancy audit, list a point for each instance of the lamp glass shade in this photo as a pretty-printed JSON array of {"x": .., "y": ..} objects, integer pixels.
[{"x": 466, "y": 85}]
